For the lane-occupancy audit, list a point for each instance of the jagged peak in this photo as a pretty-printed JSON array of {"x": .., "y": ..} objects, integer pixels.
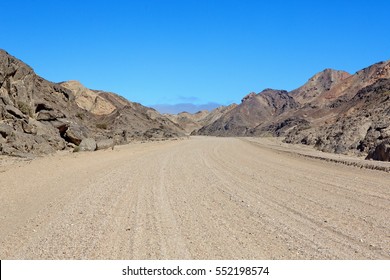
[
  {"x": 330, "y": 75},
  {"x": 248, "y": 96}
]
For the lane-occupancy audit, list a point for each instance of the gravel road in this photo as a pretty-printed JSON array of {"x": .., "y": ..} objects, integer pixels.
[{"x": 201, "y": 198}]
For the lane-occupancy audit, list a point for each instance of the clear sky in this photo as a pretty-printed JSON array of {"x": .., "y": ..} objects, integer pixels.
[{"x": 194, "y": 51}]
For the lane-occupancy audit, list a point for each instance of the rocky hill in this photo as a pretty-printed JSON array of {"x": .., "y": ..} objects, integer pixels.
[
  {"x": 334, "y": 111},
  {"x": 254, "y": 110},
  {"x": 358, "y": 125},
  {"x": 39, "y": 117},
  {"x": 352, "y": 117},
  {"x": 189, "y": 122}
]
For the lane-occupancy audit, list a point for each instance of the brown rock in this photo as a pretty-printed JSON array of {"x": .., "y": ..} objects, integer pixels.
[
  {"x": 103, "y": 144},
  {"x": 14, "y": 112},
  {"x": 5, "y": 130},
  {"x": 381, "y": 152},
  {"x": 45, "y": 115},
  {"x": 88, "y": 144},
  {"x": 75, "y": 134},
  {"x": 28, "y": 128}
]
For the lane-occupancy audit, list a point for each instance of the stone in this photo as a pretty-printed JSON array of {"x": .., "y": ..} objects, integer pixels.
[
  {"x": 105, "y": 144},
  {"x": 87, "y": 144},
  {"x": 75, "y": 133},
  {"x": 380, "y": 152}
]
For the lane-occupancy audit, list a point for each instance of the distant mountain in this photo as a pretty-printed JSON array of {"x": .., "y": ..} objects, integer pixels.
[
  {"x": 192, "y": 122},
  {"x": 189, "y": 122},
  {"x": 191, "y": 108},
  {"x": 38, "y": 116}
]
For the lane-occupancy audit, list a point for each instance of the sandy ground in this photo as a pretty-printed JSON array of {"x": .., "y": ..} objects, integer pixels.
[{"x": 202, "y": 198}]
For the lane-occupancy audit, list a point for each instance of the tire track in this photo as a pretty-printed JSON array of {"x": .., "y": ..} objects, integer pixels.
[{"x": 203, "y": 198}]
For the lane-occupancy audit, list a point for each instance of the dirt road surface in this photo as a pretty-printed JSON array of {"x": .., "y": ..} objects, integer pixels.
[{"x": 202, "y": 198}]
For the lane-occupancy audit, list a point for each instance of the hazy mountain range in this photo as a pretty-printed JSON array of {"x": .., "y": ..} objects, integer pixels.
[{"x": 185, "y": 107}]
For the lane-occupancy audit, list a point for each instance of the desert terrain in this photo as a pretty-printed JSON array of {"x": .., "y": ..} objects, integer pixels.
[{"x": 196, "y": 198}]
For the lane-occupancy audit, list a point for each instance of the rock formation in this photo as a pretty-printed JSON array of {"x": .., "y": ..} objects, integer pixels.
[{"x": 40, "y": 117}]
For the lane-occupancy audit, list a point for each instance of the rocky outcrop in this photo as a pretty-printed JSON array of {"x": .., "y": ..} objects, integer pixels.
[
  {"x": 89, "y": 100},
  {"x": 39, "y": 117},
  {"x": 32, "y": 109}
]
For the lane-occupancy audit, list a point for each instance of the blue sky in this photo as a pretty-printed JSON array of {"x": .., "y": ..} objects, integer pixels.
[{"x": 187, "y": 51}]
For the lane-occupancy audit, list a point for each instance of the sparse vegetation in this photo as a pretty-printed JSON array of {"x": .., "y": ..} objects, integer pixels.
[
  {"x": 101, "y": 125},
  {"x": 76, "y": 149},
  {"x": 80, "y": 116},
  {"x": 25, "y": 108}
]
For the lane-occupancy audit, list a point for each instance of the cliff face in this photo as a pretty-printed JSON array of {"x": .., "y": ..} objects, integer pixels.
[{"x": 38, "y": 116}]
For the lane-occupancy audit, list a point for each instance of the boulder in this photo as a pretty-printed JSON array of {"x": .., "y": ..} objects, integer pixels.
[
  {"x": 104, "y": 144},
  {"x": 75, "y": 133},
  {"x": 380, "y": 152},
  {"x": 87, "y": 144}
]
